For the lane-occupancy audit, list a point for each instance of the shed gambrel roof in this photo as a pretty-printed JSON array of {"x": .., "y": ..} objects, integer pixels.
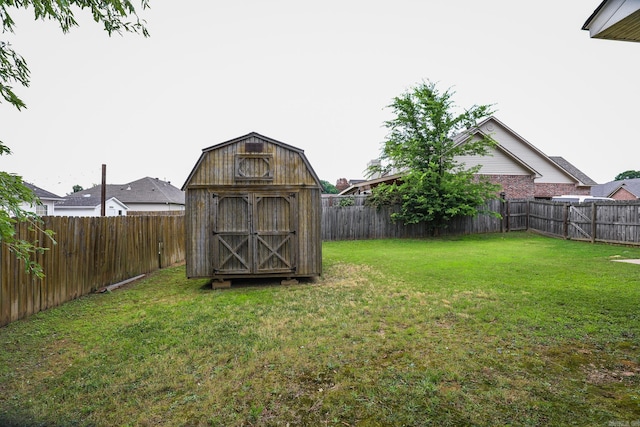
[
  {"x": 610, "y": 188},
  {"x": 249, "y": 136},
  {"x": 143, "y": 191}
]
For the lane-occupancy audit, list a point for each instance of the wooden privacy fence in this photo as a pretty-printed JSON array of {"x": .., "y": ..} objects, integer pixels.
[
  {"x": 602, "y": 221},
  {"x": 348, "y": 218},
  {"x": 618, "y": 222},
  {"x": 91, "y": 253}
]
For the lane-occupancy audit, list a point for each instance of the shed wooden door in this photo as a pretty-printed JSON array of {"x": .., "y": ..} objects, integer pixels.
[{"x": 254, "y": 233}]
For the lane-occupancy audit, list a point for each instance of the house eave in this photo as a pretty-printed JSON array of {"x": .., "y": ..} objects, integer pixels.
[{"x": 615, "y": 20}]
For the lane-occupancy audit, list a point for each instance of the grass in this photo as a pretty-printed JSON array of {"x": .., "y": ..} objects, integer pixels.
[{"x": 503, "y": 329}]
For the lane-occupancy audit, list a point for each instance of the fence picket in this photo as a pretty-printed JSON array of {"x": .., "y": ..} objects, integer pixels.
[{"x": 90, "y": 253}]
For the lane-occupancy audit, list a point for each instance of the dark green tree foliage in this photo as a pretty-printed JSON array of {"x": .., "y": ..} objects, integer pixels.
[
  {"x": 328, "y": 188},
  {"x": 630, "y": 174},
  {"x": 116, "y": 16},
  {"x": 424, "y": 139}
]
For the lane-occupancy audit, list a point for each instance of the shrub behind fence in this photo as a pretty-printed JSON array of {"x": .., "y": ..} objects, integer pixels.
[
  {"x": 354, "y": 220},
  {"x": 91, "y": 253}
]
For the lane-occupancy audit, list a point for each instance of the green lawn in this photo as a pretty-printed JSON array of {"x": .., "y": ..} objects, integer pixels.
[{"x": 503, "y": 329}]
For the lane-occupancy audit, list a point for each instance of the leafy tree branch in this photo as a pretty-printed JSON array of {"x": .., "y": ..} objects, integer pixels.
[{"x": 116, "y": 16}]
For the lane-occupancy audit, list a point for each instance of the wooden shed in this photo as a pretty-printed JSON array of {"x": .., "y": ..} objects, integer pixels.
[{"x": 253, "y": 209}]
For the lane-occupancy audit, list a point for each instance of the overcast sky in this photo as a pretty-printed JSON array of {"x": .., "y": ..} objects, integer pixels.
[{"x": 315, "y": 75}]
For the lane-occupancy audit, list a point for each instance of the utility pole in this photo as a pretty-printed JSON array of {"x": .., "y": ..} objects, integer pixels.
[{"x": 103, "y": 194}]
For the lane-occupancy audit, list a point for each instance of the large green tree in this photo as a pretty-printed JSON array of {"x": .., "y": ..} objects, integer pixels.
[
  {"x": 116, "y": 16},
  {"x": 425, "y": 140}
]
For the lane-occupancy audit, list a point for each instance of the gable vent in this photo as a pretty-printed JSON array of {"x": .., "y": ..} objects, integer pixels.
[{"x": 254, "y": 147}]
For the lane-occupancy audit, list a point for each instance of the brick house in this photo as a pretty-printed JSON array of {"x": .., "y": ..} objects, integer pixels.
[
  {"x": 521, "y": 169},
  {"x": 625, "y": 189}
]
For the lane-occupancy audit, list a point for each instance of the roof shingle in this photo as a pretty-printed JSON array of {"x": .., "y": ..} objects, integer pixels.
[{"x": 144, "y": 190}]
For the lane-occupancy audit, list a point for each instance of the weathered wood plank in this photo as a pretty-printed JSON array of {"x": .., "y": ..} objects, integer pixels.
[{"x": 90, "y": 253}]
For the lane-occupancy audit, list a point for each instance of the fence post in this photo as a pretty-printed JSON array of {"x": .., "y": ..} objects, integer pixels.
[
  {"x": 593, "y": 222},
  {"x": 565, "y": 221},
  {"x": 503, "y": 212}
]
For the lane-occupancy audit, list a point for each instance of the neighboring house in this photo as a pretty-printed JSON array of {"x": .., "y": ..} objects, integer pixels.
[
  {"x": 47, "y": 199},
  {"x": 144, "y": 195},
  {"x": 89, "y": 205},
  {"x": 615, "y": 20},
  {"x": 625, "y": 189},
  {"x": 521, "y": 169},
  {"x": 365, "y": 186}
]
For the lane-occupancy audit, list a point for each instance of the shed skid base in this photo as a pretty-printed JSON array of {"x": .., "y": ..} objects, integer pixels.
[
  {"x": 288, "y": 282},
  {"x": 220, "y": 284}
]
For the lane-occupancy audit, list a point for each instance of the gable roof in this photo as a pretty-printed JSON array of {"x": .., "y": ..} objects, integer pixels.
[
  {"x": 42, "y": 194},
  {"x": 143, "y": 191},
  {"x": 556, "y": 162},
  {"x": 464, "y": 136},
  {"x": 564, "y": 164},
  {"x": 609, "y": 188},
  {"x": 299, "y": 151},
  {"x": 364, "y": 185},
  {"x": 86, "y": 201},
  {"x": 615, "y": 20}
]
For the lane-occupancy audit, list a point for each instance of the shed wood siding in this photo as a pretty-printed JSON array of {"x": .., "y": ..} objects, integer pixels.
[
  {"x": 253, "y": 209},
  {"x": 218, "y": 167}
]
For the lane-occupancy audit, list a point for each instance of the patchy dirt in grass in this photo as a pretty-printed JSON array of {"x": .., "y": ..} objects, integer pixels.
[
  {"x": 598, "y": 368},
  {"x": 599, "y": 375},
  {"x": 349, "y": 275}
]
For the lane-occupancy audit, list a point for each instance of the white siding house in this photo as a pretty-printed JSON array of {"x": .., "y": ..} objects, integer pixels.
[
  {"x": 47, "y": 200},
  {"x": 143, "y": 195},
  {"x": 89, "y": 206}
]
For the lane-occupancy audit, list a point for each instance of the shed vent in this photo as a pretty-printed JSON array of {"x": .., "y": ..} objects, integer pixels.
[{"x": 254, "y": 147}]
